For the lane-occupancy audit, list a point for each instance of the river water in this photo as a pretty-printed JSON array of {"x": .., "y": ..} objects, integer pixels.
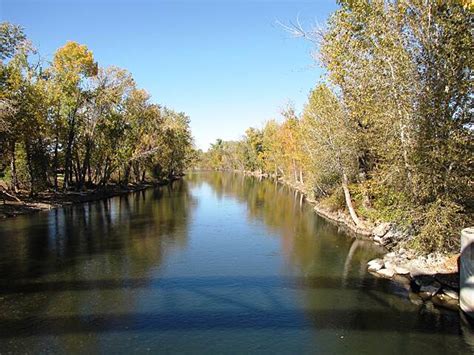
[{"x": 215, "y": 263}]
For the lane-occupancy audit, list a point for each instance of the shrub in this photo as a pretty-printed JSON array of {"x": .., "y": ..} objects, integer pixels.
[{"x": 440, "y": 224}]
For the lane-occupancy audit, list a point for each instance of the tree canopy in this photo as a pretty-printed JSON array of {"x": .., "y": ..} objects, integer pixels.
[
  {"x": 387, "y": 134},
  {"x": 72, "y": 124}
]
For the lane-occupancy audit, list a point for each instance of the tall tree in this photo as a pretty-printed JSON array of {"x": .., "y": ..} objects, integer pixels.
[{"x": 72, "y": 65}]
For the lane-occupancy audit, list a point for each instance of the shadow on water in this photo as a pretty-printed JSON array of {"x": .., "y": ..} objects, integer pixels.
[
  {"x": 237, "y": 282},
  {"x": 368, "y": 320}
]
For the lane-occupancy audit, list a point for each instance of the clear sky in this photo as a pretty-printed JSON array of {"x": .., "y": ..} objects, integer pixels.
[{"x": 227, "y": 63}]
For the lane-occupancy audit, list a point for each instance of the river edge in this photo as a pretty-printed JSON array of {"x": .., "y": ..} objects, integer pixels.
[
  {"x": 427, "y": 279},
  {"x": 46, "y": 201}
]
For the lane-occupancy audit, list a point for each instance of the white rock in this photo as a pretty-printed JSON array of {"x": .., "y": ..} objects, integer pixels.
[
  {"x": 374, "y": 261},
  {"x": 377, "y": 239},
  {"x": 389, "y": 265},
  {"x": 375, "y": 264},
  {"x": 386, "y": 273},
  {"x": 401, "y": 270},
  {"x": 381, "y": 229},
  {"x": 416, "y": 271}
]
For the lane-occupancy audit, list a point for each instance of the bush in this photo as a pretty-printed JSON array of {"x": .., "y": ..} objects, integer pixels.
[
  {"x": 440, "y": 224},
  {"x": 335, "y": 201}
]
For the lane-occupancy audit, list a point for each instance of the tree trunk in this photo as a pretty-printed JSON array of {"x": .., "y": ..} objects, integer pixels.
[
  {"x": 29, "y": 164},
  {"x": 136, "y": 171},
  {"x": 85, "y": 164},
  {"x": 350, "y": 207},
  {"x": 55, "y": 162},
  {"x": 363, "y": 169},
  {"x": 13, "y": 168},
  {"x": 126, "y": 177},
  {"x": 89, "y": 174},
  {"x": 68, "y": 157}
]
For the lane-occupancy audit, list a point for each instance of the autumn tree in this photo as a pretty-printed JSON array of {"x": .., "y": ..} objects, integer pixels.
[{"x": 72, "y": 65}]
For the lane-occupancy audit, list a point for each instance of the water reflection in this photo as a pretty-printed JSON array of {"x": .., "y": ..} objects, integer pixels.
[
  {"x": 303, "y": 234},
  {"x": 225, "y": 262}
]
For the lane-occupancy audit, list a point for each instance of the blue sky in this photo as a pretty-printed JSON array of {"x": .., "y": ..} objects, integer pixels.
[{"x": 227, "y": 63}]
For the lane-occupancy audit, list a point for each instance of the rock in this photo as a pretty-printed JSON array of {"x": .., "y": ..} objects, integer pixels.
[
  {"x": 381, "y": 229},
  {"x": 389, "y": 265},
  {"x": 393, "y": 237},
  {"x": 375, "y": 264},
  {"x": 386, "y": 273},
  {"x": 401, "y": 270},
  {"x": 418, "y": 273},
  {"x": 430, "y": 290},
  {"x": 403, "y": 281},
  {"x": 377, "y": 239},
  {"x": 450, "y": 293},
  {"x": 451, "y": 264}
]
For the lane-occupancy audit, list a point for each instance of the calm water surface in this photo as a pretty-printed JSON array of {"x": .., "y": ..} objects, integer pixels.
[{"x": 217, "y": 263}]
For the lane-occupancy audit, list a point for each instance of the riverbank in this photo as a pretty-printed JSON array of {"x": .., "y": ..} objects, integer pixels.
[
  {"x": 426, "y": 278},
  {"x": 48, "y": 200}
]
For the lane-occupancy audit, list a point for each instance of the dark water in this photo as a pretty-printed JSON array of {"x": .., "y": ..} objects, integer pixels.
[{"x": 216, "y": 263}]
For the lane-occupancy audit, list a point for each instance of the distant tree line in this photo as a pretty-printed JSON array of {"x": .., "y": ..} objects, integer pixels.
[
  {"x": 71, "y": 124},
  {"x": 388, "y": 134}
]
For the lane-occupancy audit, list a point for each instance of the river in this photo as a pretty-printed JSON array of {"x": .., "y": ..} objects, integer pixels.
[{"x": 214, "y": 263}]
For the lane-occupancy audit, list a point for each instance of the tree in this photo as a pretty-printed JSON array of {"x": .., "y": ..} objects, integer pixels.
[
  {"x": 327, "y": 126},
  {"x": 72, "y": 65},
  {"x": 91, "y": 123}
]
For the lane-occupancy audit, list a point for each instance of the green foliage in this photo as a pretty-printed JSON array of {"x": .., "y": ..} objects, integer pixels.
[
  {"x": 387, "y": 205},
  {"x": 439, "y": 227},
  {"x": 80, "y": 124},
  {"x": 389, "y": 134},
  {"x": 11, "y": 38},
  {"x": 334, "y": 201}
]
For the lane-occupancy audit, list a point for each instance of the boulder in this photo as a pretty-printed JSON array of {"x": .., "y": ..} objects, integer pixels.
[
  {"x": 381, "y": 229},
  {"x": 390, "y": 265},
  {"x": 375, "y": 264},
  {"x": 401, "y": 270},
  {"x": 421, "y": 273},
  {"x": 388, "y": 273},
  {"x": 394, "y": 236}
]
